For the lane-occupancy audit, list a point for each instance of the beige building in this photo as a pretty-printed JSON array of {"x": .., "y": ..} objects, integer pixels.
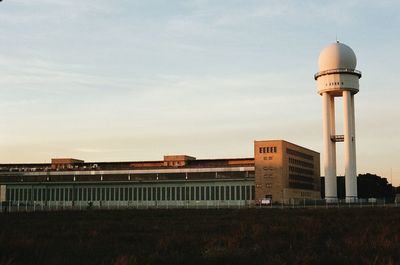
[
  {"x": 285, "y": 172},
  {"x": 281, "y": 171}
]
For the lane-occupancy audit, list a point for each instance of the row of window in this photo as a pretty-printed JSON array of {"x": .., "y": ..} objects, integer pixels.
[
  {"x": 300, "y": 178},
  {"x": 270, "y": 149},
  {"x": 301, "y": 170},
  {"x": 333, "y": 83},
  {"x": 237, "y": 192},
  {"x": 299, "y": 154},
  {"x": 132, "y": 177},
  {"x": 297, "y": 162},
  {"x": 298, "y": 185}
]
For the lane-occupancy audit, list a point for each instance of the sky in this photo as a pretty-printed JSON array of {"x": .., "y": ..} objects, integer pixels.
[{"x": 128, "y": 80}]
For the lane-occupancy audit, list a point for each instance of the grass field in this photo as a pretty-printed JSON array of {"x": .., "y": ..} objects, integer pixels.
[{"x": 181, "y": 236}]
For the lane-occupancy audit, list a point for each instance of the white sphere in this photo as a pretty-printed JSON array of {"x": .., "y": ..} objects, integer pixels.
[{"x": 337, "y": 56}]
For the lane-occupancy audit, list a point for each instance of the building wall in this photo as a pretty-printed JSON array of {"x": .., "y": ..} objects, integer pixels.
[
  {"x": 285, "y": 172},
  {"x": 222, "y": 193}
]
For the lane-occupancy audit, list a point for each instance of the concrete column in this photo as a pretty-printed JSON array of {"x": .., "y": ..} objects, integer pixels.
[
  {"x": 349, "y": 154},
  {"x": 353, "y": 124},
  {"x": 329, "y": 148}
]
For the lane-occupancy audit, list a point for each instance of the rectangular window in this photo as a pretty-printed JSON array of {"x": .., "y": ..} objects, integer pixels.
[
  {"x": 107, "y": 194},
  {"x": 178, "y": 193},
  {"x": 149, "y": 193},
  {"x": 62, "y": 195},
  {"x": 130, "y": 194},
  {"x": 163, "y": 193},
  {"x": 202, "y": 193},
  {"x": 145, "y": 194},
  {"x": 117, "y": 196},
  {"x": 186, "y": 193},
  {"x": 168, "y": 193},
  {"x": 173, "y": 193},
  {"x": 248, "y": 193},
  {"x": 207, "y": 193},
  {"x": 89, "y": 197},
  {"x": 140, "y": 194},
  {"x": 112, "y": 190},
  {"x": 243, "y": 193},
  {"x": 212, "y": 193},
  {"x": 232, "y": 193},
  {"x": 237, "y": 192},
  {"x": 154, "y": 198},
  {"x": 253, "y": 192},
  {"x": 217, "y": 193},
  {"x": 158, "y": 197},
  {"x": 197, "y": 193},
  {"x": 135, "y": 192}
]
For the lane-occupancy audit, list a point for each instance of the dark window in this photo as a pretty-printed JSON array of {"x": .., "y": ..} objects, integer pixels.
[
  {"x": 140, "y": 194},
  {"x": 117, "y": 196},
  {"x": 112, "y": 190}
]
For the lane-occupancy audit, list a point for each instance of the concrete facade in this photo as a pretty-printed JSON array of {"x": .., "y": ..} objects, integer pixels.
[
  {"x": 286, "y": 172},
  {"x": 280, "y": 170}
]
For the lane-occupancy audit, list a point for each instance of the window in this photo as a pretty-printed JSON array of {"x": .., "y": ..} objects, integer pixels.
[
  {"x": 117, "y": 194},
  {"x": 178, "y": 193},
  {"x": 144, "y": 196},
  {"x": 197, "y": 193},
  {"x": 158, "y": 193},
  {"x": 140, "y": 194}
]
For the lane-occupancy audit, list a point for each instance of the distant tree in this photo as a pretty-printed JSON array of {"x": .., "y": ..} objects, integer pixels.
[
  {"x": 368, "y": 186},
  {"x": 373, "y": 186}
]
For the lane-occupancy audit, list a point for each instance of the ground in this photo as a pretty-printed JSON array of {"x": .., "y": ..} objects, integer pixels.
[{"x": 202, "y": 236}]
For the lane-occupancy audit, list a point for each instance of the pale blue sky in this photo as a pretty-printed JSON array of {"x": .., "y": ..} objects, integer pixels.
[{"x": 134, "y": 80}]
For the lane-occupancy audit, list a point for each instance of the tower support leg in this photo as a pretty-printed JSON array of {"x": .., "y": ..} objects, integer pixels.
[
  {"x": 349, "y": 147},
  {"x": 328, "y": 111}
]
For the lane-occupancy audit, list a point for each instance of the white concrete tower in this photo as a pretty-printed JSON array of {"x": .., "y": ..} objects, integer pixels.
[{"x": 338, "y": 77}]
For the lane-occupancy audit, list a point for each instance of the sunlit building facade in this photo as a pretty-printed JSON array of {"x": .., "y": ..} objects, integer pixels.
[{"x": 279, "y": 170}]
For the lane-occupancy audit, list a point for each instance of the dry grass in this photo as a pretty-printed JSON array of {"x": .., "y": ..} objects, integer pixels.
[{"x": 247, "y": 236}]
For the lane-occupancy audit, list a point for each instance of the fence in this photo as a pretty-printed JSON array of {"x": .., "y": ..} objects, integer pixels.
[{"x": 29, "y": 206}]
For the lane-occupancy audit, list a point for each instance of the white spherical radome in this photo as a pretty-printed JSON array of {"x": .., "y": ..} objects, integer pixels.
[{"x": 337, "y": 56}]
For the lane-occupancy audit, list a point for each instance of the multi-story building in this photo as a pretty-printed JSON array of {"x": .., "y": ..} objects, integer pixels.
[
  {"x": 286, "y": 172},
  {"x": 281, "y": 171}
]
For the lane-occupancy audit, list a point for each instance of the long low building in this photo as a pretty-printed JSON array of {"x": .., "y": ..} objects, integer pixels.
[{"x": 280, "y": 172}]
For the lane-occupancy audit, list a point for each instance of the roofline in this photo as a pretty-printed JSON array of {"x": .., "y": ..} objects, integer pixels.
[{"x": 280, "y": 140}]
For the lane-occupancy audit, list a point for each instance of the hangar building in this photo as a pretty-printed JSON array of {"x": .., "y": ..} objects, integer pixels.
[{"x": 281, "y": 171}]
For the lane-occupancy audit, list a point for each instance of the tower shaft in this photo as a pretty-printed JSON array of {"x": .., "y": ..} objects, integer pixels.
[
  {"x": 349, "y": 146},
  {"x": 328, "y": 110}
]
